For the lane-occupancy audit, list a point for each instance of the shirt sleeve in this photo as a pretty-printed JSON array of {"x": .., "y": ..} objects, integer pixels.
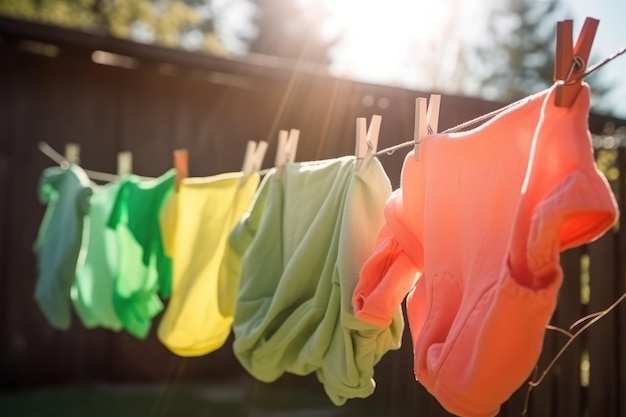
[
  {"x": 385, "y": 279},
  {"x": 398, "y": 258},
  {"x": 578, "y": 211}
]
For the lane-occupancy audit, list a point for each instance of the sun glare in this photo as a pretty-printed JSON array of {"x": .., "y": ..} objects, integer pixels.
[
  {"x": 382, "y": 38},
  {"x": 379, "y": 34}
]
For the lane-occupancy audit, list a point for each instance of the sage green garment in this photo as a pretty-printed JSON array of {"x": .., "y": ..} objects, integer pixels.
[
  {"x": 303, "y": 245},
  {"x": 66, "y": 192},
  {"x": 143, "y": 267},
  {"x": 92, "y": 292}
]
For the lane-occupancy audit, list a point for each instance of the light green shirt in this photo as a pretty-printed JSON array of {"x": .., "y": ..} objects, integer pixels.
[
  {"x": 303, "y": 244},
  {"x": 92, "y": 293}
]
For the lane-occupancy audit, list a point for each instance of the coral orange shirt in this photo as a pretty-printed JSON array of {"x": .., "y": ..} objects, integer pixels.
[{"x": 474, "y": 234}]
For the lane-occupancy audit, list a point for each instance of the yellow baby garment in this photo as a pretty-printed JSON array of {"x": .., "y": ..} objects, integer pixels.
[{"x": 206, "y": 211}]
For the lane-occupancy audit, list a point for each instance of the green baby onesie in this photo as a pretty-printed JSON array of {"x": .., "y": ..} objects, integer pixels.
[
  {"x": 143, "y": 268},
  {"x": 303, "y": 245},
  {"x": 66, "y": 192},
  {"x": 92, "y": 292}
]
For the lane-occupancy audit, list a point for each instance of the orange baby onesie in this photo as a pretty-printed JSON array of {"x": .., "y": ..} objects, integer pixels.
[{"x": 483, "y": 216}]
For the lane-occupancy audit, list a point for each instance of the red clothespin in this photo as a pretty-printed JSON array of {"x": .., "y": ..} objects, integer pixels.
[
  {"x": 571, "y": 61},
  {"x": 181, "y": 165}
]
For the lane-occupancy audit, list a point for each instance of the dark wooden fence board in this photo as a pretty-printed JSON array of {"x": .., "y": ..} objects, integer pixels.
[
  {"x": 7, "y": 140},
  {"x": 602, "y": 339},
  {"x": 568, "y": 390},
  {"x": 620, "y": 277}
]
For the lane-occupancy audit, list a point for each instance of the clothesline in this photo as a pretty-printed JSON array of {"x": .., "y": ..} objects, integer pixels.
[
  {"x": 103, "y": 176},
  {"x": 494, "y": 113},
  {"x": 51, "y": 153},
  {"x": 187, "y": 343},
  {"x": 390, "y": 150},
  {"x": 604, "y": 62}
]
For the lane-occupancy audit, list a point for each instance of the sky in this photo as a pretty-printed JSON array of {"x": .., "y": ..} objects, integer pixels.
[
  {"x": 382, "y": 37},
  {"x": 383, "y": 34}
]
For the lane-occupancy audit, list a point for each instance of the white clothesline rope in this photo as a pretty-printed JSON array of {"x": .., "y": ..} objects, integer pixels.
[{"x": 51, "y": 153}]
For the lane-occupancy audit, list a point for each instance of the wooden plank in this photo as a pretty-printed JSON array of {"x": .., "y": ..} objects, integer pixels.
[
  {"x": 7, "y": 119},
  {"x": 567, "y": 389},
  {"x": 60, "y": 107},
  {"x": 602, "y": 336},
  {"x": 30, "y": 336},
  {"x": 99, "y": 117},
  {"x": 620, "y": 273}
]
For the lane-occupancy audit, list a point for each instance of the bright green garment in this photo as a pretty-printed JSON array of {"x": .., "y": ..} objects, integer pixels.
[
  {"x": 66, "y": 192},
  {"x": 92, "y": 293},
  {"x": 303, "y": 245},
  {"x": 143, "y": 268},
  {"x": 207, "y": 210}
]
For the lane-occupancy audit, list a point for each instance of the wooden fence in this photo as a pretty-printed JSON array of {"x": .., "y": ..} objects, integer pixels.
[{"x": 109, "y": 95}]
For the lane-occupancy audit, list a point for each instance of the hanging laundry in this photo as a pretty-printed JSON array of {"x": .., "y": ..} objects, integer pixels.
[
  {"x": 167, "y": 223},
  {"x": 303, "y": 245},
  {"x": 483, "y": 216},
  {"x": 57, "y": 247},
  {"x": 207, "y": 209},
  {"x": 143, "y": 268},
  {"x": 92, "y": 292}
]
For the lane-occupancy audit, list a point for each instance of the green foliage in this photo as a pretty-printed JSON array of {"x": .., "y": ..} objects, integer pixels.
[
  {"x": 57, "y": 12},
  {"x": 165, "y": 21},
  {"x": 285, "y": 28}
]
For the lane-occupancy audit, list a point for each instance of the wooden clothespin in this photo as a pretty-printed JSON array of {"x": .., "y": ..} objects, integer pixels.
[
  {"x": 426, "y": 120},
  {"x": 181, "y": 165},
  {"x": 253, "y": 160},
  {"x": 366, "y": 138},
  {"x": 570, "y": 62},
  {"x": 72, "y": 153},
  {"x": 124, "y": 163},
  {"x": 286, "y": 150}
]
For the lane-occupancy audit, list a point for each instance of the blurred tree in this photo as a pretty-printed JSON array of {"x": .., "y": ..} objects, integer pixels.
[
  {"x": 165, "y": 22},
  {"x": 518, "y": 57},
  {"x": 520, "y": 51},
  {"x": 291, "y": 28}
]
